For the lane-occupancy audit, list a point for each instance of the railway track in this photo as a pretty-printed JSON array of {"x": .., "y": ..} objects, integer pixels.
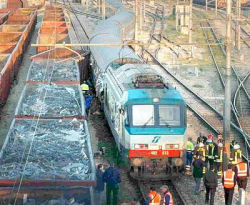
[{"x": 202, "y": 109}]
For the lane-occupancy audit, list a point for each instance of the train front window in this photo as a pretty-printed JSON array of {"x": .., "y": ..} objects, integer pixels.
[
  {"x": 143, "y": 115},
  {"x": 169, "y": 115}
]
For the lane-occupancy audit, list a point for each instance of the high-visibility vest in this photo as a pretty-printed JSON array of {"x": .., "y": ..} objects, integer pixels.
[
  {"x": 155, "y": 198},
  {"x": 236, "y": 154},
  {"x": 171, "y": 202},
  {"x": 210, "y": 151},
  {"x": 220, "y": 155},
  {"x": 229, "y": 179},
  {"x": 242, "y": 169},
  {"x": 190, "y": 146},
  {"x": 201, "y": 151}
]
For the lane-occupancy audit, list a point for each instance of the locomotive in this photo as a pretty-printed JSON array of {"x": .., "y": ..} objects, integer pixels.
[{"x": 146, "y": 115}]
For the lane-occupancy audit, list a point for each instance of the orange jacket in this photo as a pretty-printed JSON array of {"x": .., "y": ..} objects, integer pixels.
[
  {"x": 241, "y": 170},
  {"x": 229, "y": 179},
  {"x": 155, "y": 198}
]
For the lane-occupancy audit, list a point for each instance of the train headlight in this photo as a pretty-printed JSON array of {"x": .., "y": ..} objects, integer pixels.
[
  {"x": 141, "y": 146},
  {"x": 156, "y": 100},
  {"x": 172, "y": 146}
]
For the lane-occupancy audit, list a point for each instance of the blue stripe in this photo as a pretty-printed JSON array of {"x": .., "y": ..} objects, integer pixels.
[{"x": 155, "y": 131}]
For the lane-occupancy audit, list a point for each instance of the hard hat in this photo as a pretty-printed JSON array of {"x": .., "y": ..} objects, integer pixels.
[
  {"x": 236, "y": 146},
  {"x": 84, "y": 87},
  {"x": 220, "y": 145},
  {"x": 210, "y": 136},
  {"x": 201, "y": 144}
]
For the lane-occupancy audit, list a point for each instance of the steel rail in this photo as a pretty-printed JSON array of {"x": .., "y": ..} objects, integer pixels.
[
  {"x": 240, "y": 84},
  {"x": 217, "y": 66},
  {"x": 236, "y": 94}
]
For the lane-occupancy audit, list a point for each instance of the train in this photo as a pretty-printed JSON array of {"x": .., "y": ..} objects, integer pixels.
[{"x": 146, "y": 115}]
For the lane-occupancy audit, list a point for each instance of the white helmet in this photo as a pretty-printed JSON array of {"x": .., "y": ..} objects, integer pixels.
[
  {"x": 200, "y": 144},
  {"x": 237, "y": 146},
  {"x": 220, "y": 145}
]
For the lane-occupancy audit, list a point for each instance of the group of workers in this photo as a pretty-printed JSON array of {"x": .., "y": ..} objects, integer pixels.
[
  {"x": 206, "y": 158},
  {"x": 155, "y": 198}
]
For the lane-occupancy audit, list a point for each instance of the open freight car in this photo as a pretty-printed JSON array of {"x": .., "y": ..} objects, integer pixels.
[{"x": 47, "y": 158}]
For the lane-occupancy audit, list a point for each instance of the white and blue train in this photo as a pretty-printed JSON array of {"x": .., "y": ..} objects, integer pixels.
[{"x": 147, "y": 116}]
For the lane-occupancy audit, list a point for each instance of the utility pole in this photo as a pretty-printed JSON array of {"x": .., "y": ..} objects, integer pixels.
[
  {"x": 237, "y": 25},
  {"x": 216, "y": 7},
  {"x": 136, "y": 25},
  {"x": 103, "y": 9},
  {"x": 227, "y": 107},
  {"x": 99, "y": 6},
  {"x": 87, "y": 5},
  {"x": 140, "y": 15},
  {"x": 190, "y": 25}
]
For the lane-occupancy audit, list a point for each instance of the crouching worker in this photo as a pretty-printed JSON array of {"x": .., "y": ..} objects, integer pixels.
[{"x": 154, "y": 198}]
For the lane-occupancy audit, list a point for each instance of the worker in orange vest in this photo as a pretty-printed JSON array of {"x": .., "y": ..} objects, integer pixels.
[
  {"x": 242, "y": 172},
  {"x": 168, "y": 198},
  {"x": 154, "y": 198},
  {"x": 229, "y": 181}
]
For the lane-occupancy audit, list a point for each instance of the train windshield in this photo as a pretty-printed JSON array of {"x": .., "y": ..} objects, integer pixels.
[
  {"x": 169, "y": 115},
  {"x": 156, "y": 115},
  {"x": 143, "y": 115}
]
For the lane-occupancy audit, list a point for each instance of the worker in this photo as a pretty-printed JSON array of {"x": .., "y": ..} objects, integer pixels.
[
  {"x": 242, "y": 173},
  {"x": 100, "y": 184},
  {"x": 88, "y": 100},
  {"x": 219, "y": 156},
  {"x": 112, "y": 179},
  {"x": 198, "y": 165},
  {"x": 189, "y": 154},
  {"x": 211, "y": 182},
  {"x": 200, "y": 152},
  {"x": 235, "y": 154},
  {"x": 154, "y": 198},
  {"x": 229, "y": 181},
  {"x": 210, "y": 150},
  {"x": 168, "y": 198}
]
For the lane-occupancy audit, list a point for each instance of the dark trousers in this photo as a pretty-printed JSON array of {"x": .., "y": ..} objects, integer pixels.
[
  {"x": 211, "y": 192},
  {"x": 189, "y": 158},
  {"x": 109, "y": 190},
  {"x": 242, "y": 183},
  {"x": 229, "y": 196}
]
